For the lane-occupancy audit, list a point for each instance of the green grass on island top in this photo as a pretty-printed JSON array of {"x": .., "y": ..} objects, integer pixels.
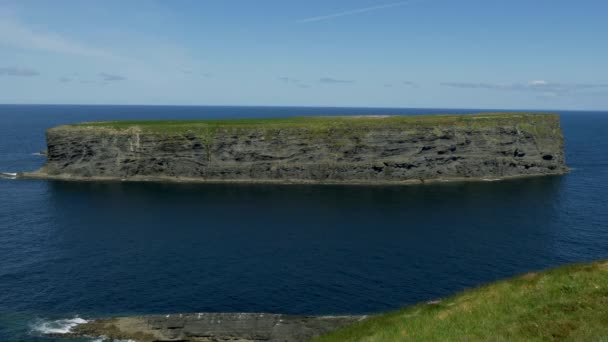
[
  {"x": 325, "y": 122},
  {"x": 568, "y": 303}
]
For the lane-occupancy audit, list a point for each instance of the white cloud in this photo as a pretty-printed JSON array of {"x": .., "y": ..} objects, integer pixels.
[{"x": 15, "y": 33}]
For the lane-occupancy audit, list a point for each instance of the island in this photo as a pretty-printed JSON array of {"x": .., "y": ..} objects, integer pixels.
[{"x": 367, "y": 149}]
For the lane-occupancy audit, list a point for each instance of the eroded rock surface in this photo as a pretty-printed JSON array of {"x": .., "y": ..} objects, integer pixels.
[
  {"x": 215, "y": 327},
  {"x": 478, "y": 147}
]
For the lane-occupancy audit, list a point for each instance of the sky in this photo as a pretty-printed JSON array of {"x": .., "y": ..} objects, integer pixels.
[{"x": 502, "y": 54}]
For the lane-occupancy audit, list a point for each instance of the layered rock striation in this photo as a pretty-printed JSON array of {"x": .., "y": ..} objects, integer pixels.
[{"x": 361, "y": 149}]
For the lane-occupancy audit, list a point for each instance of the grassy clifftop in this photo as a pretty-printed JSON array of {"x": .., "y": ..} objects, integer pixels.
[
  {"x": 531, "y": 122},
  {"x": 568, "y": 303}
]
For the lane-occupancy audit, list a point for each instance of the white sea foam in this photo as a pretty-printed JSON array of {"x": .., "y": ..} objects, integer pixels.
[
  {"x": 9, "y": 175},
  {"x": 106, "y": 339},
  {"x": 60, "y": 326}
]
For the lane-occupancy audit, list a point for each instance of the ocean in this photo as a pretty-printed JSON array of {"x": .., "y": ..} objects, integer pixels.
[{"x": 72, "y": 251}]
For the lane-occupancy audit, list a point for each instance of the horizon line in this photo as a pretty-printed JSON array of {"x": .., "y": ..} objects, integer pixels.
[{"x": 304, "y": 106}]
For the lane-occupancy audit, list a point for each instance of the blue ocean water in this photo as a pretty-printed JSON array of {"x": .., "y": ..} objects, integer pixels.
[{"x": 73, "y": 249}]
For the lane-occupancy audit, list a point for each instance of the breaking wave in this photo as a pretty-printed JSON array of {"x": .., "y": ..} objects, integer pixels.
[
  {"x": 10, "y": 175},
  {"x": 60, "y": 326}
]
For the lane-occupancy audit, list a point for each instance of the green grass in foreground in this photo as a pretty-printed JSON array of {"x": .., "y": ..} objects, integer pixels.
[
  {"x": 324, "y": 122},
  {"x": 568, "y": 303}
]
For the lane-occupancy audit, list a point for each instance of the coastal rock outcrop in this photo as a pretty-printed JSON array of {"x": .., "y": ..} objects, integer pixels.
[
  {"x": 243, "y": 327},
  {"x": 364, "y": 149}
]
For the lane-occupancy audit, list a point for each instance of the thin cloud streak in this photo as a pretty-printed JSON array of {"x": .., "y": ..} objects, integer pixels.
[
  {"x": 544, "y": 87},
  {"x": 111, "y": 77},
  {"x": 288, "y": 79},
  {"x": 20, "y": 72},
  {"x": 329, "y": 80},
  {"x": 293, "y": 81},
  {"x": 352, "y": 12}
]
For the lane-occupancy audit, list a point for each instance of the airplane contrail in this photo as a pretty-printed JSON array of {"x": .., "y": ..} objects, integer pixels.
[{"x": 352, "y": 12}]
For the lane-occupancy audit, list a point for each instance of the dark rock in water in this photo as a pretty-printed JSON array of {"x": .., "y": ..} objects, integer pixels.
[
  {"x": 215, "y": 327},
  {"x": 311, "y": 150},
  {"x": 44, "y": 152}
]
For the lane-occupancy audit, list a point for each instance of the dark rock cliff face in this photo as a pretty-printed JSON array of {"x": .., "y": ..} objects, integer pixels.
[{"x": 380, "y": 154}]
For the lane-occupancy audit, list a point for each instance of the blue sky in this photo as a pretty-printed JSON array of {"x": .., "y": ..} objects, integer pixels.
[{"x": 520, "y": 54}]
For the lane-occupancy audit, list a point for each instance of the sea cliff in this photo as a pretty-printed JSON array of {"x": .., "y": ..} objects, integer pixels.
[{"x": 351, "y": 149}]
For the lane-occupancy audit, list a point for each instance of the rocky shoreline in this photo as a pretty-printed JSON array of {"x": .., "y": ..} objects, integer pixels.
[
  {"x": 41, "y": 174},
  {"x": 199, "y": 327}
]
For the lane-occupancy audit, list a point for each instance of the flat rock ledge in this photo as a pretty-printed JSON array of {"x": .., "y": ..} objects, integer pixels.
[{"x": 242, "y": 327}]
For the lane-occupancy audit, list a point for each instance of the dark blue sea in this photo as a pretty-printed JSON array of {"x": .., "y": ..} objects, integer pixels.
[{"x": 72, "y": 251}]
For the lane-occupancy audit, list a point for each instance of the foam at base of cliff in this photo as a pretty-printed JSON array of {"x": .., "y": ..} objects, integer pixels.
[{"x": 319, "y": 149}]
